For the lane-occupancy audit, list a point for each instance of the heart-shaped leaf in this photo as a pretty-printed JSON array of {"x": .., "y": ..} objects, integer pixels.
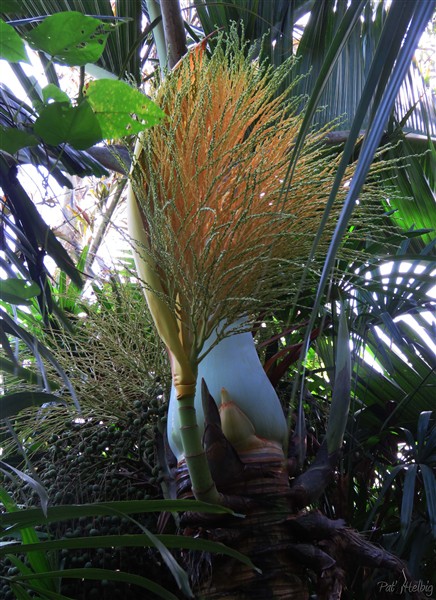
[
  {"x": 11, "y": 45},
  {"x": 71, "y": 38},
  {"x": 59, "y": 122},
  {"x": 53, "y": 92},
  {"x": 13, "y": 139},
  {"x": 120, "y": 109}
]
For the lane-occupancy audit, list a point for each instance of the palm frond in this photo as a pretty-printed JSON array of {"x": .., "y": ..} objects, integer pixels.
[{"x": 121, "y": 55}]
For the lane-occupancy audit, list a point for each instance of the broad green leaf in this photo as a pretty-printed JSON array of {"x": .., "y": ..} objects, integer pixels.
[
  {"x": 53, "y": 92},
  {"x": 18, "y": 291},
  {"x": 120, "y": 109},
  {"x": 12, "y": 46},
  {"x": 76, "y": 125},
  {"x": 71, "y": 38},
  {"x": 13, "y": 139}
]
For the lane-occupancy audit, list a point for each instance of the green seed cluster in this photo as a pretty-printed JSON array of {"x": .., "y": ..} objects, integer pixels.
[{"x": 97, "y": 461}]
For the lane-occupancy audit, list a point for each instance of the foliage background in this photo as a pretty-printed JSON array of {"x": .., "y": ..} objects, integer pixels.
[{"x": 384, "y": 484}]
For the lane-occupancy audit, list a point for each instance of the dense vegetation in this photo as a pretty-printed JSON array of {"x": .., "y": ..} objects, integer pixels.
[{"x": 91, "y": 493}]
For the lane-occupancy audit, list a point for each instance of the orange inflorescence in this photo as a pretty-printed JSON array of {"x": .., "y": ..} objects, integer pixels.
[{"x": 212, "y": 188}]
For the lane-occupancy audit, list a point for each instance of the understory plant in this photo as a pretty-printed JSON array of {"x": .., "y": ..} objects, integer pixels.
[{"x": 48, "y": 560}]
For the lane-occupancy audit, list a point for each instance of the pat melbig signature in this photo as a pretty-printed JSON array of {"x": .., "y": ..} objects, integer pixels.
[{"x": 405, "y": 586}]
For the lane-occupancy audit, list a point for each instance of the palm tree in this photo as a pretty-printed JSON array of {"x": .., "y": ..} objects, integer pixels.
[
  {"x": 188, "y": 328},
  {"x": 175, "y": 309}
]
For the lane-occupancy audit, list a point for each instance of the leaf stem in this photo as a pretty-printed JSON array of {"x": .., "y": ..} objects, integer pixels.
[{"x": 81, "y": 84}]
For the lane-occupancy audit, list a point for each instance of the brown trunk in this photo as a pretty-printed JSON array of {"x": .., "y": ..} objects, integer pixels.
[
  {"x": 263, "y": 535},
  {"x": 288, "y": 546}
]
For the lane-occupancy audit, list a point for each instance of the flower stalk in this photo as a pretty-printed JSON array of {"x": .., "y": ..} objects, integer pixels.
[{"x": 184, "y": 373}]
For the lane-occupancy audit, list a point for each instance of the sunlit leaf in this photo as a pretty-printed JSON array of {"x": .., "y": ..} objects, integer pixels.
[
  {"x": 11, "y": 45},
  {"x": 53, "y": 92},
  {"x": 76, "y": 125},
  {"x": 71, "y": 38},
  {"x": 120, "y": 109}
]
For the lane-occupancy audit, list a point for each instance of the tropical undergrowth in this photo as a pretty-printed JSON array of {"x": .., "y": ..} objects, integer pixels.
[
  {"x": 110, "y": 451},
  {"x": 106, "y": 452}
]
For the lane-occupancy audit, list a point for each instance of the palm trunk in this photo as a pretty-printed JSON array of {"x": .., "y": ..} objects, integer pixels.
[
  {"x": 264, "y": 534},
  {"x": 282, "y": 540}
]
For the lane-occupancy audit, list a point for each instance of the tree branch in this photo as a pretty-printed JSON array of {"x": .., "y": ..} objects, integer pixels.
[
  {"x": 115, "y": 158},
  {"x": 174, "y": 31},
  {"x": 103, "y": 227}
]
